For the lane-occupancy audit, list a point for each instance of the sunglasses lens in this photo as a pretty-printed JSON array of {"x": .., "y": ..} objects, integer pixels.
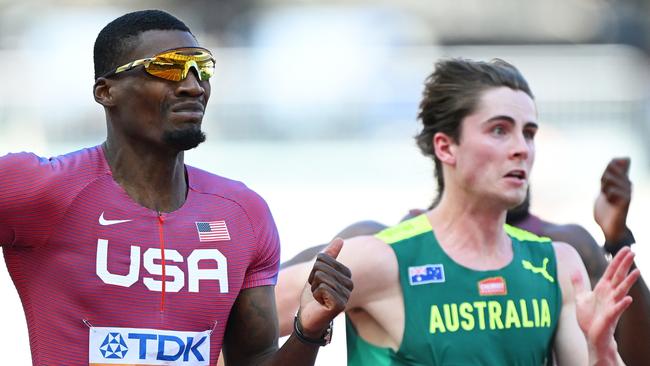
[
  {"x": 171, "y": 66},
  {"x": 169, "y": 71},
  {"x": 206, "y": 70}
]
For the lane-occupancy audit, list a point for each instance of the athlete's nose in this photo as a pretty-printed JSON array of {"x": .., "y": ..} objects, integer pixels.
[
  {"x": 521, "y": 147},
  {"x": 191, "y": 85}
]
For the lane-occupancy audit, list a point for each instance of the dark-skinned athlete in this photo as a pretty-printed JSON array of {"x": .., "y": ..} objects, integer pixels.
[{"x": 122, "y": 254}]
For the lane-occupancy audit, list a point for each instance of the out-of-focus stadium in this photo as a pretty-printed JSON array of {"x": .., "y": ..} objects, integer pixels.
[{"x": 314, "y": 103}]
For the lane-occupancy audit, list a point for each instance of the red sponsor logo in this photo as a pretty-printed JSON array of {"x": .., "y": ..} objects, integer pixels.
[{"x": 492, "y": 286}]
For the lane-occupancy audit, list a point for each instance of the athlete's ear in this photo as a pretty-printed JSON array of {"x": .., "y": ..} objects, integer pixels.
[
  {"x": 445, "y": 148},
  {"x": 102, "y": 92}
]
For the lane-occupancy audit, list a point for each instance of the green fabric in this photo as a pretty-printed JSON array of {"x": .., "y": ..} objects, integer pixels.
[
  {"x": 466, "y": 317},
  {"x": 407, "y": 229},
  {"x": 361, "y": 352},
  {"x": 523, "y": 235}
]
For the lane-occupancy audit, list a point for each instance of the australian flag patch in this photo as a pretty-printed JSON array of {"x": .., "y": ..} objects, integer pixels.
[{"x": 428, "y": 273}]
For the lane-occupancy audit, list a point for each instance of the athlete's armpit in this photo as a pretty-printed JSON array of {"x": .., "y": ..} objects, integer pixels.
[{"x": 252, "y": 330}]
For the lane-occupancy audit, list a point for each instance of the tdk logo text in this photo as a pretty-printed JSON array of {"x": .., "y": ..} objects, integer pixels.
[
  {"x": 185, "y": 348},
  {"x": 131, "y": 346}
]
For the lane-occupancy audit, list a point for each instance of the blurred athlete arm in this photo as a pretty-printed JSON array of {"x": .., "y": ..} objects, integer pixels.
[
  {"x": 588, "y": 318},
  {"x": 613, "y": 202},
  {"x": 252, "y": 333},
  {"x": 610, "y": 212},
  {"x": 357, "y": 229}
]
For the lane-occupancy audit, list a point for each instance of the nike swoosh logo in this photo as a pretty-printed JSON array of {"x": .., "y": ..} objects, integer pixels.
[{"x": 104, "y": 222}]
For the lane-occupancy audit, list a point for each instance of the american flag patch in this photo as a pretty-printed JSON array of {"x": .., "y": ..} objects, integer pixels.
[{"x": 212, "y": 231}]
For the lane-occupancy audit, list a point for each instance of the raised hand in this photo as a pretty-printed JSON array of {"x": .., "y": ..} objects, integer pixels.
[
  {"x": 613, "y": 202},
  {"x": 599, "y": 310},
  {"x": 327, "y": 291}
]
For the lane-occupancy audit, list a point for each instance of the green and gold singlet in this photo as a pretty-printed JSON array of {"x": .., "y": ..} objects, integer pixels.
[{"x": 458, "y": 316}]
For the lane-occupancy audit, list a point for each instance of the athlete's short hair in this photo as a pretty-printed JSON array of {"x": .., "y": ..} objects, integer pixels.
[
  {"x": 452, "y": 92},
  {"x": 118, "y": 36}
]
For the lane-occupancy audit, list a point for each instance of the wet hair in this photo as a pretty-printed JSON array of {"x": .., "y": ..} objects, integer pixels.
[
  {"x": 118, "y": 37},
  {"x": 452, "y": 92}
]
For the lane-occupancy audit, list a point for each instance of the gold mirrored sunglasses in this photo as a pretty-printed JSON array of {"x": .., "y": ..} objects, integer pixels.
[{"x": 174, "y": 64}]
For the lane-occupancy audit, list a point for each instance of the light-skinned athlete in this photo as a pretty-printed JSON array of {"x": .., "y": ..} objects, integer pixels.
[
  {"x": 610, "y": 212},
  {"x": 122, "y": 254},
  {"x": 457, "y": 286}
]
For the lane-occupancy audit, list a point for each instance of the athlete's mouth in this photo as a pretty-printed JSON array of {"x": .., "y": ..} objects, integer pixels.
[
  {"x": 191, "y": 107},
  {"x": 517, "y": 173}
]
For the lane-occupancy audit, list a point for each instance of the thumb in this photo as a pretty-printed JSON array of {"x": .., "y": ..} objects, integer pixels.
[
  {"x": 623, "y": 163},
  {"x": 334, "y": 248}
]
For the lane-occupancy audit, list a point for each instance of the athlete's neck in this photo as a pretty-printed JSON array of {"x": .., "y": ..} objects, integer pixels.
[
  {"x": 152, "y": 178},
  {"x": 472, "y": 234}
]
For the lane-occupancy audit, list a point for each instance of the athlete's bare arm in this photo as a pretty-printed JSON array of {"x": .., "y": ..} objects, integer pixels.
[
  {"x": 610, "y": 212},
  {"x": 633, "y": 331},
  {"x": 252, "y": 331},
  {"x": 588, "y": 319},
  {"x": 294, "y": 271},
  {"x": 376, "y": 295}
]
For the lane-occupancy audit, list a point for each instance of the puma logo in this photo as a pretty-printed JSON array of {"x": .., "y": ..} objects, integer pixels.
[{"x": 540, "y": 270}]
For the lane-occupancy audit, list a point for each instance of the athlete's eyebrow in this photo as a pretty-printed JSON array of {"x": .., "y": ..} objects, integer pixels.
[{"x": 511, "y": 121}]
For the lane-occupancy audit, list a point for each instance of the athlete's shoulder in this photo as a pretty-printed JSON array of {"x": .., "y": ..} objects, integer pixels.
[
  {"x": 209, "y": 183},
  {"x": 405, "y": 230},
  {"x": 36, "y": 192},
  {"x": 30, "y": 167},
  {"x": 567, "y": 254}
]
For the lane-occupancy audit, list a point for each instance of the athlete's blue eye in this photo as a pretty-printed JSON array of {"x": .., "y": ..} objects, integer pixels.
[{"x": 498, "y": 130}]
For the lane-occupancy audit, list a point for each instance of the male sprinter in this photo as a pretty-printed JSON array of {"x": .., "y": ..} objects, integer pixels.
[
  {"x": 610, "y": 212},
  {"x": 457, "y": 286},
  {"x": 122, "y": 254}
]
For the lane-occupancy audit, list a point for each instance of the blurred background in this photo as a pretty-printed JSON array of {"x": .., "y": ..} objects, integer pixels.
[{"x": 314, "y": 102}]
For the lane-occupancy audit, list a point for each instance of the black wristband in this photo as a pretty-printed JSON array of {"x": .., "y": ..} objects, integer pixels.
[
  {"x": 323, "y": 341},
  {"x": 614, "y": 247}
]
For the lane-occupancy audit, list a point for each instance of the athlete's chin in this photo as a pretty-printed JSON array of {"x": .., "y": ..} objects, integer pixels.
[
  {"x": 514, "y": 199},
  {"x": 184, "y": 138}
]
